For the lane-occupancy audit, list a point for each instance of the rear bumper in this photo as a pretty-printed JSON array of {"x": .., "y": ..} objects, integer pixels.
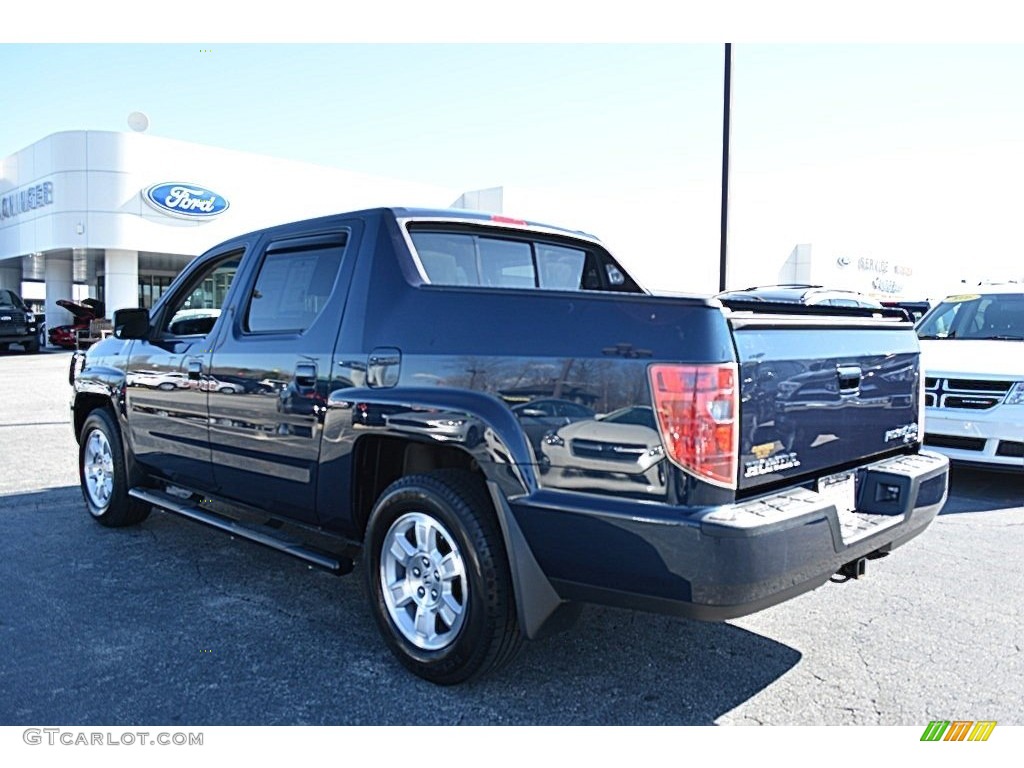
[{"x": 716, "y": 563}]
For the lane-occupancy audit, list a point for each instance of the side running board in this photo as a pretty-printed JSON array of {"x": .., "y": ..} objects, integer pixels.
[{"x": 338, "y": 565}]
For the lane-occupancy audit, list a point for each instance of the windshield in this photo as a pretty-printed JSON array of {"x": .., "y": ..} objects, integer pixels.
[
  {"x": 976, "y": 316},
  {"x": 9, "y": 299}
]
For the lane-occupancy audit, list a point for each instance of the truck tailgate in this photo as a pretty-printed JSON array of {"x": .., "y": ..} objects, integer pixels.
[{"x": 821, "y": 392}]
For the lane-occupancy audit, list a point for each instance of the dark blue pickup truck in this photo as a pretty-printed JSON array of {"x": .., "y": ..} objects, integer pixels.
[{"x": 501, "y": 425}]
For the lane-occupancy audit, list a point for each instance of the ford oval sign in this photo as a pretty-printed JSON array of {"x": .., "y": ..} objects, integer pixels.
[{"x": 189, "y": 201}]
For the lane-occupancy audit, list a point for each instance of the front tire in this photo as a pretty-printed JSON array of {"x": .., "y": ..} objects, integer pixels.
[
  {"x": 438, "y": 577},
  {"x": 103, "y": 473}
]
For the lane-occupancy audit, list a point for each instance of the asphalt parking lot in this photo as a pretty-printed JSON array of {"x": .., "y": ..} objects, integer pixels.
[{"x": 172, "y": 623}]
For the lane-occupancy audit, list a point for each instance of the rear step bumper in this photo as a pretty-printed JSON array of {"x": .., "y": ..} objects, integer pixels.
[
  {"x": 260, "y": 535},
  {"x": 719, "y": 563}
]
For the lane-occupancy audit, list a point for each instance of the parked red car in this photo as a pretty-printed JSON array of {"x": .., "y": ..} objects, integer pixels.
[{"x": 66, "y": 336}]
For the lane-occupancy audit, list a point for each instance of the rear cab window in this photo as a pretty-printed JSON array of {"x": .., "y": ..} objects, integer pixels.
[{"x": 475, "y": 256}]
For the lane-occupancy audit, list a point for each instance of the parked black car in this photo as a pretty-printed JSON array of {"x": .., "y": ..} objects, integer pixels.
[{"x": 18, "y": 323}]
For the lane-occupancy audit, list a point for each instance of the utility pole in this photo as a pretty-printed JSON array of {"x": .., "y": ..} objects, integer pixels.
[{"x": 726, "y": 103}]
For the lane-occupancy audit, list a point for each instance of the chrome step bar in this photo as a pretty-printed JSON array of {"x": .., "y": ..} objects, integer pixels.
[{"x": 338, "y": 565}]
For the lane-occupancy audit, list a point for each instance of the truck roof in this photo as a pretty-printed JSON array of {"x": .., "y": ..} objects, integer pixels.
[{"x": 401, "y": 212}]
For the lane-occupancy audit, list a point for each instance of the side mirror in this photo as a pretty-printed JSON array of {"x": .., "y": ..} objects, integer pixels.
[{"x": 131, "y": 323}]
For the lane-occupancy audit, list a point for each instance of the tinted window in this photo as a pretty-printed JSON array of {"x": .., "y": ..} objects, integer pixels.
[
  {"x": 459, "y": 259},
  {"x": 560, "y": 268},
  {"x": 293, "y": 287},
  {"x": 505, "y": 263},
  {"x": 463, "y": 258}
]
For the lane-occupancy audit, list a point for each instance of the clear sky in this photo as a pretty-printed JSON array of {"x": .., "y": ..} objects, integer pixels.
[{"x": 909, "y": 152}]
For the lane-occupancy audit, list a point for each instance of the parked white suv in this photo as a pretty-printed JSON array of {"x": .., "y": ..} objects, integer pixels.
[{"x": 972, "y": 350}]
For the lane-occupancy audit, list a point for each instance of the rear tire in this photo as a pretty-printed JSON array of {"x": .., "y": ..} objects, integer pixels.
[
  {"x": 104, "y": 475},
  {"x": 438, "y": 577}
]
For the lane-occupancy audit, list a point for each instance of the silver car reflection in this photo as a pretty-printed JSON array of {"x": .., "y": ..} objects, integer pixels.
[
  {"x": 445, "y": 426},
  {"x": 620, "y": 452}
]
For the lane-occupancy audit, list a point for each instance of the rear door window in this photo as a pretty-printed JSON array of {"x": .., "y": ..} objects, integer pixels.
[{"x": 295, "y": 281}]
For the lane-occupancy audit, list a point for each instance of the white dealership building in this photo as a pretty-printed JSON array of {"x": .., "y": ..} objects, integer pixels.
[
  {"x": 75, "y": 216},
  {"x": 115, "y": 216}
]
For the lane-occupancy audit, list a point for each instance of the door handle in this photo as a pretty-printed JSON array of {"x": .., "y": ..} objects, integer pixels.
[
  {"x": 194, "y": 368},
  {"x": 305, "y": 374}
]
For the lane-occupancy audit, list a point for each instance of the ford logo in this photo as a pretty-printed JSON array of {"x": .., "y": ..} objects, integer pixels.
[{"x": 190, "y": 201}]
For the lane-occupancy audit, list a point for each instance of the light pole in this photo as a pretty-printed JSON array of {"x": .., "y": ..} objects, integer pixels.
[{"x": 726, "y": 102}]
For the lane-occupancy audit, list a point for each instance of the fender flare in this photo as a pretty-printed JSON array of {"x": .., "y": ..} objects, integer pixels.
[{"x": 540, "y": 609}]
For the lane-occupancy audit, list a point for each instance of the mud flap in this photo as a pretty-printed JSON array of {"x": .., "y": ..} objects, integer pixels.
[{"x": 540, "y": 609}]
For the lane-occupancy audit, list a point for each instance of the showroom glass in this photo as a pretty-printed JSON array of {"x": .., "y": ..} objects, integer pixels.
[
  {"x": 198, "y": 309},
  {"x": 151, "y": 288},
  {"x": 293, "y": 287}
]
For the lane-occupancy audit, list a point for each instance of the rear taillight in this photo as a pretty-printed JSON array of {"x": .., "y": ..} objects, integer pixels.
[{"x": 697, "y": 408}]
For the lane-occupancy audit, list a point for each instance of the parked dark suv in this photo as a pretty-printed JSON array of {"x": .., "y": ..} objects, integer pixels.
[{"x": 17, "y": 323}]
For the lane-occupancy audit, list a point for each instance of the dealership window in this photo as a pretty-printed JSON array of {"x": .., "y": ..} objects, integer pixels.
[{"x": 151, "y": 288}]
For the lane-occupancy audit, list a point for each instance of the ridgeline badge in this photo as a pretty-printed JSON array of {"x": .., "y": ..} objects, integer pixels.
[
  {"x": 189, "y": 201},
  {"x": 770, "y": 464},
  {"x": 907, "y": 433}
]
